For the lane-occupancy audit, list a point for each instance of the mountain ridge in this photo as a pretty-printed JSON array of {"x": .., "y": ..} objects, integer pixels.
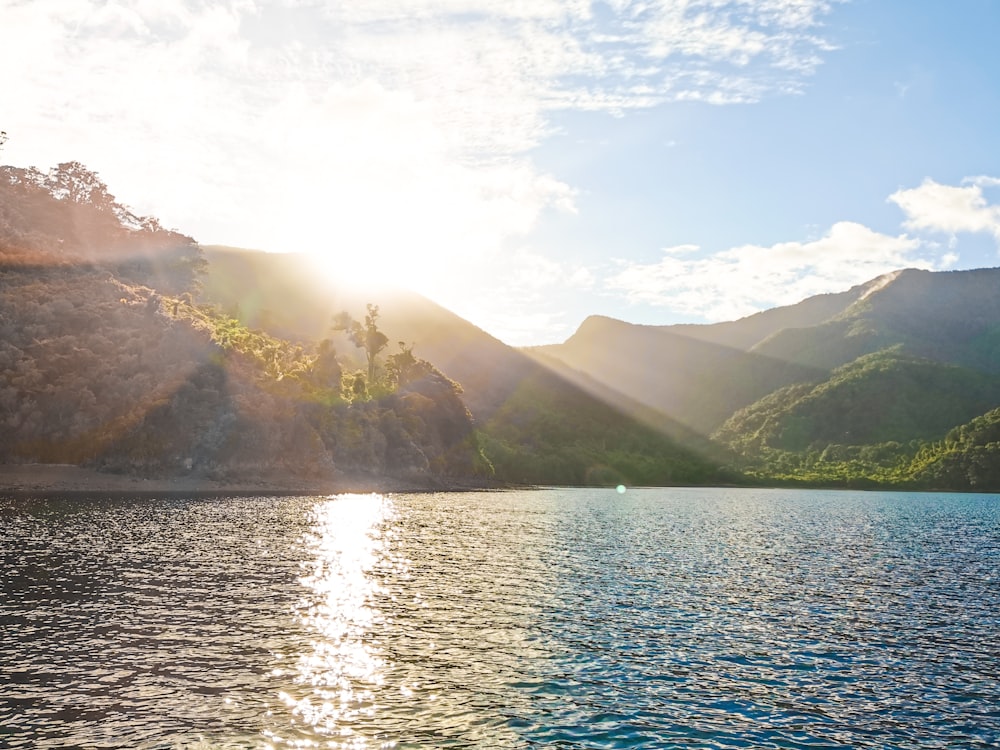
[
  {"x": 131, "y": 348},
  {"x": 869, "y": 376},
  {"x": 126, "y": 351}
]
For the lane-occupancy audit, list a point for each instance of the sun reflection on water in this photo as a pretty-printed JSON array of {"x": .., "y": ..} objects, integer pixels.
[{"x": 337, "y": 680}]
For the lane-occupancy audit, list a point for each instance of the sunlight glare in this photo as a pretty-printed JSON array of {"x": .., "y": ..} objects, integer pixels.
[{"x": 347, "y": 540}]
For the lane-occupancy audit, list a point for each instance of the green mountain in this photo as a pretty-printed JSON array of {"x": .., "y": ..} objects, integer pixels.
[
  {"x": 513, "y": 398},
  {"x": 951, "y": 317},
  {"x": 130, "y": 348},
  {"x": 967, "y": 459},
  {"x": 837, "y": 389},
  {"x": 877, "y": 398}
]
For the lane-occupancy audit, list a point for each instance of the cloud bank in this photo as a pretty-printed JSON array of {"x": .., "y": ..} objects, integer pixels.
[
  {"x": 398, "y": 134},
  {"x": 743, "y": 280},
  {"x": 391, "y": 129},
  {"x": 950, "y": 209}
]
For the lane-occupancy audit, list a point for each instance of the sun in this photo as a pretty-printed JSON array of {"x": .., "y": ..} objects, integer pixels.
[{"x": 365, "y": 263}]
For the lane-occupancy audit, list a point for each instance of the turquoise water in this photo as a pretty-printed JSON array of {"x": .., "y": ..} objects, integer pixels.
[{"x": 687, "y": 618}]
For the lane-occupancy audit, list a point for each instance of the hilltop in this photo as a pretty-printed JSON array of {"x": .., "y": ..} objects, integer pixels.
[{"x": 130, "y": 349}]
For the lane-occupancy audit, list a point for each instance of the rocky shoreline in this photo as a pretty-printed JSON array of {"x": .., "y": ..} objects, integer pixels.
[{"x": 49, "y": 480}]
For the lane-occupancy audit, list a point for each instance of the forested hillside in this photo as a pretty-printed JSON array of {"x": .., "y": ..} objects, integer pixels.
[
  {"x": 859, "y": 388},
  {"x": 126, "y": 349},
  {"x": 876, "y": 398},
  {"x": 968, "y": 458},
  {"x": 107, "y": 361}
]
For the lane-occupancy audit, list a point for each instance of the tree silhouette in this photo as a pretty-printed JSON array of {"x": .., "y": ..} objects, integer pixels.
[{"x": 365, "y": 336}]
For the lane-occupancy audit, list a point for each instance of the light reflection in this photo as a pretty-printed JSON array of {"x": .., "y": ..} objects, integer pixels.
[{"x": 344, "y": 669}]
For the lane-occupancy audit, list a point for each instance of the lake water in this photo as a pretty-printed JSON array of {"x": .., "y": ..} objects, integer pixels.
[{"x": 668, "y": 618}]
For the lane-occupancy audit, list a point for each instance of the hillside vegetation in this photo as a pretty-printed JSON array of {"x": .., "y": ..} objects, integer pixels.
[
  {"x": 108, "y": 361},
  {"x": 514, "y": 399},
  {"x": 861, "y": 389},
  {"x": 968, "y": 458},
  {"x": 877, "y": 398},
  {"x": 121, "y": 351},
  {"x": 127, "y": 347}
]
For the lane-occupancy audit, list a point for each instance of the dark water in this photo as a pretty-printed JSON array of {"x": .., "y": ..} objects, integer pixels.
[{"x": 574, "y": 619}]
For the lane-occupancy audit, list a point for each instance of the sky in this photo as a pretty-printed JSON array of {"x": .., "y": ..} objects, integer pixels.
[{"x": 527, "y": 163}]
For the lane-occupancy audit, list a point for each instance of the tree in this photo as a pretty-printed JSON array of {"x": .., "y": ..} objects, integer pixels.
[
  {"x": 403, "y": 367},
  {"x": 326, "y": 372},
  {"x": 365, "y": 336},
  {"x": 3, "y": 138}
]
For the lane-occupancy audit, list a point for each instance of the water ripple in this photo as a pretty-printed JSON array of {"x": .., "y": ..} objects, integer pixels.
[{"x": 575, "y": 619}]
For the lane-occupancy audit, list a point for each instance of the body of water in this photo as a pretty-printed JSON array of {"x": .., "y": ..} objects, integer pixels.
[{"x": 659, "y": 618}]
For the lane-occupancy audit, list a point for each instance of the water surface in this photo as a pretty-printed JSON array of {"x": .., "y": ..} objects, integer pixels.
[{"x": 688, "y": 618}]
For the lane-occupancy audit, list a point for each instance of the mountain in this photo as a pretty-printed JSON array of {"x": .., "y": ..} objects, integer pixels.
[
  {"x": 877, "y": 398},
  {"x": 968, "y": 458},
  {"x": 746, "y": 333},
  {"x": 107, "y": 361},
  {"x": 129, "y": 348},
  {"x": 696, "y": 381},
  {"x": 289, "y": 296},
  {"x": 834, "y": 389},
  {"x": 701, "y": 375},
  {"x": 945, "y": 316},
  {"x": 514, "y": 398}
]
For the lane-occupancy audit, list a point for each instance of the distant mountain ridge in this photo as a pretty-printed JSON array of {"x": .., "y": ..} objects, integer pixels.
[
  {"x": 702, "y": 373},
  {"x": 898, "y": 360},
  {"x": 747, "y": 333},
  {"x": 698, "y": 382},
  {"x": 950, "y": 316}
]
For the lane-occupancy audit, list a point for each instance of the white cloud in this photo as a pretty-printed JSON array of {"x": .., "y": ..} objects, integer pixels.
[
  {"x": 177, "y": 72},
  {"x": 948, "y": 208},
  {"x": 386, "y": 133},
  {"x": 750, "y": 278},
  {"x": 747, "y": 279},
  {"x": 984, "y": 181}
]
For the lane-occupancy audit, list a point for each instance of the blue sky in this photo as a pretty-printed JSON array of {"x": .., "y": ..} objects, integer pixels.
[{"x": 529, "y": 163}]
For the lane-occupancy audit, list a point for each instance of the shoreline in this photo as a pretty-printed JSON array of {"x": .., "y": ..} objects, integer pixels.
[{"x": 22, "y": 481}]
